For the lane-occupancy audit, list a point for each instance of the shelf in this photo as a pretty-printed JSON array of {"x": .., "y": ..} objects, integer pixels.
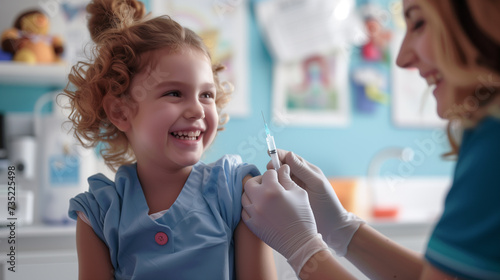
[{"x": 15, "y": 73}]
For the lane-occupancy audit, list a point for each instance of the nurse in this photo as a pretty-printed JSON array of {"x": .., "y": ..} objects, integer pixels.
[{"x": 455, "y": 45}]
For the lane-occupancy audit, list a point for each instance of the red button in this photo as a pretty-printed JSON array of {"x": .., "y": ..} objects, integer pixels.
[{"x": 161, "y": 238}]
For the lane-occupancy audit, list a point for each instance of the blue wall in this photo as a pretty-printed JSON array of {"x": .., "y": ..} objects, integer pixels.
[{"x": 338, "y": 152}]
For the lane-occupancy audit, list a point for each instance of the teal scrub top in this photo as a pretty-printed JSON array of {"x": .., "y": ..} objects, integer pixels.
[
  {"x": 466, "y": 240},
  {"x": 192, "y": 240}
]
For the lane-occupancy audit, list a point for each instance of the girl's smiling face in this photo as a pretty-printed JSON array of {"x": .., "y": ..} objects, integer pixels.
[
  {"x": 417, "y": 52},
  {"x": 175, "y": 118}
]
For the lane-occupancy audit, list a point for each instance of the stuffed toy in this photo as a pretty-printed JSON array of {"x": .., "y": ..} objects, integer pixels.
[{"x": 29, "y": 41}]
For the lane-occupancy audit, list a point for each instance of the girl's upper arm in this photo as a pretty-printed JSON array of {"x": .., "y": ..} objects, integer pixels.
[
  {"x": 93, "y": 255},
  {"x": 254, "y": 259}
]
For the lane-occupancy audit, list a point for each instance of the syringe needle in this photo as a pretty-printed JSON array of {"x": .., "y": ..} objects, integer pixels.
[
  {"x": 271, "y": 146},
  {"x": 265, "y": 124}
]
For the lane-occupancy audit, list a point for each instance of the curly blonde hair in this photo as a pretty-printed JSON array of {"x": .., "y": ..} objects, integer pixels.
[
  {"x": 123, "y": 37},
  {"x": 466, "y": 40}
]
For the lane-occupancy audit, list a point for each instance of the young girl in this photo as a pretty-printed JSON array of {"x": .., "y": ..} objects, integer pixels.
[{"x": 152, "y": 97}]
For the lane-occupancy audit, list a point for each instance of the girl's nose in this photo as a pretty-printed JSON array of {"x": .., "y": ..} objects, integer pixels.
[{"x": 194, "y": 110}]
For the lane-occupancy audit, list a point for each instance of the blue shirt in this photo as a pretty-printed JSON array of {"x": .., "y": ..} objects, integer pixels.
[
  {"x": 466, "y": 240},
  {"x": 198, "y": 226}
]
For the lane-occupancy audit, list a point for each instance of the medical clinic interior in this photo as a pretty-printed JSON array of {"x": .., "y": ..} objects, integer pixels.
[{"x": 319, "y": 76}]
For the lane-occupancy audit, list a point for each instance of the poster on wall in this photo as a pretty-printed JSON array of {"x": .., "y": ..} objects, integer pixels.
[
  {"x": 310, "y": 42},
  {"x": 313, "y": 91},
  {"x": 371, "y": 62},
  {"x": 223, "y": 27}
]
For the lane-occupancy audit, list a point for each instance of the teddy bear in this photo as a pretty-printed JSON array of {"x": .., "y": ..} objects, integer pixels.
[{"x": 29, "y": 41}]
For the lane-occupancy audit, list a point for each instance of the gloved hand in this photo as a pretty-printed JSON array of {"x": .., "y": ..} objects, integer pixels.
[
  {"x": 335, "y": 224},
  {"x": 280, "y": 215}
]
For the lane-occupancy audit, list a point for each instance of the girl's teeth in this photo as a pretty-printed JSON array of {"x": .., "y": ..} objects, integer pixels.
[{"x": 187, "y": 135}]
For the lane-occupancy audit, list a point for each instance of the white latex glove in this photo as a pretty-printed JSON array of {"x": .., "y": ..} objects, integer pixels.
[
  {"x": 280, "y": 215},
  {"x": 335, "y": 224}
]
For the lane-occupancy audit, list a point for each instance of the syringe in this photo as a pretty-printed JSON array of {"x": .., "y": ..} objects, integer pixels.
[{"x": 271, "y": 146}]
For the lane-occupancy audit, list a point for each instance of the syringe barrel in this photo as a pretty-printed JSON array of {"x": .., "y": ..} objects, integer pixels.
[
  {"x": 270, "y": 143},
  {"x": 273, "y": 152},
  {"x": 275, "y": 160}
]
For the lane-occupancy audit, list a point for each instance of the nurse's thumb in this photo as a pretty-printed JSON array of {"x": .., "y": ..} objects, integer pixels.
[
  {"x": 297, "y": 166},
  {"x": 284, "y": 177}
]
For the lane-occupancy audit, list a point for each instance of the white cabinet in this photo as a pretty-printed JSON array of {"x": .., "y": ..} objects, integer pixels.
[{"x": 42, "y": 252}]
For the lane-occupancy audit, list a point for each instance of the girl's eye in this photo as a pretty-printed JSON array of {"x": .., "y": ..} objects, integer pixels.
[
  {"x": 418, "y": 25},
  {"x": 207, "y": 95},
  {"x": 172, "y": 93}
]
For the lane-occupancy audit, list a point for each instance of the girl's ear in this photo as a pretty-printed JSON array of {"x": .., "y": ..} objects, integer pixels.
[{"x": 118, "y": 112}]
